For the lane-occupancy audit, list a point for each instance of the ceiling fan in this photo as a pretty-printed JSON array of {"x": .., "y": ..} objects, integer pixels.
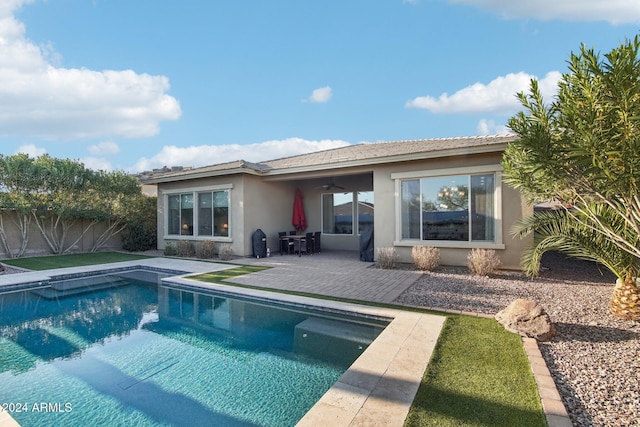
[{"x": 331, "y": 185}]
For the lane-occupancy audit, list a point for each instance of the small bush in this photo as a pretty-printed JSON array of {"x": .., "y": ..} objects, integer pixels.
[
  {"x": 185, "y": 249},
  {"x": 226, "y": 252},
  {"x": 482, "y": 262},
  {"x": 425, "y": 258},
  {"x": 387, "y": 258},
  {"x": 141, "y": 232},
  {"x": 170, "y": 249},
  {"x": 206, "y": 249}
]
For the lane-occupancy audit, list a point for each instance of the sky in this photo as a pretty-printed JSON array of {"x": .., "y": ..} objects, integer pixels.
[{"x": 137, "y": 85}]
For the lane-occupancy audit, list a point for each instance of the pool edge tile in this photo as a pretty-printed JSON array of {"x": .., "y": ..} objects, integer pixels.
[
  {"x": 6, "y": 420},
  {"x": 389, "y": 392}
]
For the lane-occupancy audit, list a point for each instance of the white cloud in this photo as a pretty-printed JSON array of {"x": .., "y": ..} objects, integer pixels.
[
  {"x": 321, "y": 95},
  {"x": 31, "y": 150},
  {"x": 40, "y": 99},
  {"x": 203, "y": 155},
  {"x": 105, "y": 148},
  {"x": 613, "y": 11},
  {"x": 499, "y": 96},
  {"x": 489, "y": 127},
  {"x": 97, "y": 163}
]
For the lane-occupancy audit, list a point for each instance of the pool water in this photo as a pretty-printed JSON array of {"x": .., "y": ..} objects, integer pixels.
[{"x": 128, "y": 350}]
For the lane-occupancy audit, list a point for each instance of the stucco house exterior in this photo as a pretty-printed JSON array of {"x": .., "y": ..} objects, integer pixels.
[{"x": 446, "y": 193}]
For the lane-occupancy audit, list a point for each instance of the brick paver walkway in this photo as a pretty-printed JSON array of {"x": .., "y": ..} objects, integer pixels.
[{"x": 332, "y": 273}]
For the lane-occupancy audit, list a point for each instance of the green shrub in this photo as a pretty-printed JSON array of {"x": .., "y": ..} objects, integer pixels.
[
  {"x": 185, "y": 249},
  {"x": 206, "y": 249},
  {"x": 141, "y": 231},
  {"x": 425, "y": 258},
  {"x": 483, "y": 262}
]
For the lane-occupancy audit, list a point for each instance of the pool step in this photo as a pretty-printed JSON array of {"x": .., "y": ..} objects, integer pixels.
[
  {"x": 66, "y": 288},
  {"x": 332, "y": 339}
]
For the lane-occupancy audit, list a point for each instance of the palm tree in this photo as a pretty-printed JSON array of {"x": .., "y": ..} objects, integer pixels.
[
  {"x": 557, "y": 230},
  {"x": 583, "y": 149}
]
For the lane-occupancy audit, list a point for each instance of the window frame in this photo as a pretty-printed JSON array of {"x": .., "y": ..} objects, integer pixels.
[
  {"x": 194, "y": 192},
  {"x": 496, "y": 170},
  {"x": 355, "y": 211}
]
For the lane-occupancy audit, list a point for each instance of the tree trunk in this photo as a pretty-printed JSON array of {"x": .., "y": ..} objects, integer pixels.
[{"x": 625, "y": 301}]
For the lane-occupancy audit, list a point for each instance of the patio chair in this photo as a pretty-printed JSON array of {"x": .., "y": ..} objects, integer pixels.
[
  {"x": 316, "y": 242},
  {"x": 299, "y": 246},
  {"x": 286, "y": 245},
  {"x": 309, "y": 243}
]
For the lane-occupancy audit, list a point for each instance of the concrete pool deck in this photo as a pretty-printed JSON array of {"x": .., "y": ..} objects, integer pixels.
[{"x": 380, "y": 386}]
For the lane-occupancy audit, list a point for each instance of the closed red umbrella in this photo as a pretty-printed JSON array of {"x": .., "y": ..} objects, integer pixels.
[{"x": 299, "y": 221}]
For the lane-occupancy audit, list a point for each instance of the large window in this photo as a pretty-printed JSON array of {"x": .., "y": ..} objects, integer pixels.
[
  {"x": 455, "y": 208},
  {"x": 213, "y": 213},
  {"x": 203, "y": 213},
  {"x": 340, "y": 215}
]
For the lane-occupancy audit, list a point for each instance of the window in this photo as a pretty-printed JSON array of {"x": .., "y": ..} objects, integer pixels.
[
  {"x": 338, "y": 212},
  {"x": 213, "y": 213},
  {"x": 453, "y": 208},
  {"x": 181, "y": 214},
  {"x": 210, "y": 218}
]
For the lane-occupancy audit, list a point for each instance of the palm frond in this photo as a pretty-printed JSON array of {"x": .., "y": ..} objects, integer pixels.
[{"x": 558, "y": 230}]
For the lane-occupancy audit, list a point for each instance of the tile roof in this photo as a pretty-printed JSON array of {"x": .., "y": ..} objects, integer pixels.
[{"x": 378, "y": 152}]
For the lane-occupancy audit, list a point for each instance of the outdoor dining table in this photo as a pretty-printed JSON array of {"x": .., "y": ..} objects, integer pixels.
[{"x": 287, "y": 237}]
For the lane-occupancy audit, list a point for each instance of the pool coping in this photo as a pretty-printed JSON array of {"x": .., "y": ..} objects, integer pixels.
[{"x": 378, "y": 388}]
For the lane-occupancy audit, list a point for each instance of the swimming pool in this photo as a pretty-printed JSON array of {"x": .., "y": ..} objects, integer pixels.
[{"x": 127, "y": 349}]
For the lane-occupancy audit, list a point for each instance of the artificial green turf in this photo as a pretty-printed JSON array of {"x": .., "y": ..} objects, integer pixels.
[
  {"x": 221, "y": 275},
  {"x": 71, "y": 260},
  {"x": 479, "y": 375}
]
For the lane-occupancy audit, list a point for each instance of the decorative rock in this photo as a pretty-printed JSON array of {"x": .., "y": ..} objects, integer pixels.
[{"x": 527, "y": 318}]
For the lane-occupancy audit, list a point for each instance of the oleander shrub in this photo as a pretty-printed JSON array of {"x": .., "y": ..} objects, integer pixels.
[
  {"x": 225, "y": 253},
  {"x": 206, "y": 249},
  {"x": 387, "y": 258},
  {"x": 482, "y": 262},
  {"x": 425, "y": 258},
  {"x": 170, "y": 249},
  {"x": 185, "y": 249},
  {"x": 141, "y": 231}
]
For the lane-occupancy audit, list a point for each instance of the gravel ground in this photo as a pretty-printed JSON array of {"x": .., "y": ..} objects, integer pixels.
[{"x": 594, "y": 358}]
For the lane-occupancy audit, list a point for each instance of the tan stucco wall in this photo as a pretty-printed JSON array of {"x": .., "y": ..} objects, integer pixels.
[
  {"x": 267, "y": 203},
  {"x": 513, "y": 208},
  {"x": 264, "y": 204},
  {"x": 236, "y": 208},
  {"x": 255, "y": 204}
]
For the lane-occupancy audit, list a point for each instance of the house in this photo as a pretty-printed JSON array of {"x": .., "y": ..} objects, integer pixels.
[{"x": 445, "y": 192}]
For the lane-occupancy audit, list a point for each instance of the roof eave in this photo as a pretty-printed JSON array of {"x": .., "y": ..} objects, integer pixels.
[
  {"x": 484, "y": 149},
  {"x": 200, "y": 174}
]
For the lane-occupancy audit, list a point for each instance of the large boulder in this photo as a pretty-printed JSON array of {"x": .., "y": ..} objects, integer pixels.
[{"x": 527, "y": 318}]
